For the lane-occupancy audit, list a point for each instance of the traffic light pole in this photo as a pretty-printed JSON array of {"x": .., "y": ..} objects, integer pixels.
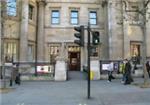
[{"x": 88, "y": 62}]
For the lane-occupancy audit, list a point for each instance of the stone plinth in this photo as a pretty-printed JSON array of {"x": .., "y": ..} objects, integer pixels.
[
  {"x": 95, "y": 69},
  {"x": 60, "y": 70}
]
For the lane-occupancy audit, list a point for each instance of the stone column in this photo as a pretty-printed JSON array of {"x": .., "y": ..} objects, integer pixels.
[
  {"x": 115, "y": 29},
  {"x": 24, "y": 31},
  {"x": 40, "y": 32},
  {"x": 0, "y": 36}
]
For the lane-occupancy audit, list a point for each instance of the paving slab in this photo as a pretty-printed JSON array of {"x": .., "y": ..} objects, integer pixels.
[{"x": 74, "y": 92}]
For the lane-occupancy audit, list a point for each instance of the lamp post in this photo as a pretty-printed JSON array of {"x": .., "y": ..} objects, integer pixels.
[{"x": 88, "y": 61}]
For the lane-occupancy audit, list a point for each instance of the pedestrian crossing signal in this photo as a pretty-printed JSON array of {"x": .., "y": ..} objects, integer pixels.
[
  {"x": 95, "y": 38},
  {"x": 79, "y": 35}
]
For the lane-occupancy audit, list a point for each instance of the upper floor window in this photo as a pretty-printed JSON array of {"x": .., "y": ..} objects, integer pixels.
[
  {"x": 74, "y": 17},
  {"x": 55, "y": 17},
  {"x": 31, "y": 8},
  {"x": 11, "y": 7},
  {"x": 93, "y": 17},
  {"x": 133, "y": 16}
]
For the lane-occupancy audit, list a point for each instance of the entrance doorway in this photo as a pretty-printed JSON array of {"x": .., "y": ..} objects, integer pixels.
[{"x": 74, "y": 58}]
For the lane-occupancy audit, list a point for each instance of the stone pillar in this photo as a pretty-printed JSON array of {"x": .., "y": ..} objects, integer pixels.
[
  {"x": 147, "y": 33},
  {"x": 115, "y": 29},
  {"x": 24, "y": 31},
  {"x": 0, "y": 35},
  {"x": 95, "y": 70},
  {"x": 61, "y": 65},
  {"x": 40, "y": 34}
]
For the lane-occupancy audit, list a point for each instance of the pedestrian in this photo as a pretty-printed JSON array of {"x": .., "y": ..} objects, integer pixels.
[
  {"x": 128, "y": 77},
  {"x": 148, "y": 67},
  {"x": 110, "y": 71},
  {"x": 122, "y": 70}
]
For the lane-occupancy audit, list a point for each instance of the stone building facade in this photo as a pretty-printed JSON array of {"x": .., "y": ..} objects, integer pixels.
[{"x": 42, "y": 30}]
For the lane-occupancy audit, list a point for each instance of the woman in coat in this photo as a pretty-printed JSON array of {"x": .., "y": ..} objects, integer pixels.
[
  {"x": 148, "y": 67},
  {"x": 128, "y": 77}
]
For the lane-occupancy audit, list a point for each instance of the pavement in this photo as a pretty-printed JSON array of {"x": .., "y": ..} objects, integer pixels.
[{"x": 74, "y": 92}]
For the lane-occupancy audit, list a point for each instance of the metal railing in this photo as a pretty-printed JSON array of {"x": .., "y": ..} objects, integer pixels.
[
  {"x": 116, "y": 66},
  {"x": 13, "y": 71}
]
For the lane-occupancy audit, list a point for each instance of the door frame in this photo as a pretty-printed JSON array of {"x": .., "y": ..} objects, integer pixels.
[{"x": 78, "y": 56}]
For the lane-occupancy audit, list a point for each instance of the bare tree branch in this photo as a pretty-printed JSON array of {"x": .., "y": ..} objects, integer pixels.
[{"x": 146, "y": 4}]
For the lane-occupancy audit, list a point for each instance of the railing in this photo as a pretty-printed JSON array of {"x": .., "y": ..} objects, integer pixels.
[
  {"x": 116, "y": 66},
  {"x": 28, "y": 70},
  {"x": 105, "y": 63}
]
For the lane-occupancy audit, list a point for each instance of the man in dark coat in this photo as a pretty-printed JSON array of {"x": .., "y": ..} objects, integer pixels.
[
  {"x": 128, "y": 77},
  {"x": 148, "y": 67}
]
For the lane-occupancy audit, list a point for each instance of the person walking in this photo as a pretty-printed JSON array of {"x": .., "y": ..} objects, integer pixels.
[
  {"x": 110, "y": 71},
  {"x": 128, "y": 77},
  {"x": 122, "y": 70},
  {"x": 148, "y": 67}
]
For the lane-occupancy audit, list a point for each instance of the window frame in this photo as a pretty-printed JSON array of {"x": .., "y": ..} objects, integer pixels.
[
  {"x": 11, "y": 10},
  {"x": 133, "y": 16},
  {"x": 53, "y": 51},
  {"x": 135, "y": 51},
  {"x": 31, "y": 52},
  {"x": 72, "y": 17},
  {"x": 93, "y": 11},
  {"x": 10, "y": 51},
  {"x": 52, "y": 17},
  {"x": 32, "y": 12}
]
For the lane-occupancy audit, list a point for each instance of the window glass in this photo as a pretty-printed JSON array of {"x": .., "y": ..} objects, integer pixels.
[
  {"x": 30, "y": 53},
  {"x": 93, "y": 17},
  {"x": 31, "y": 12},
  {"x": 55, "y": 17},
  {"x": 93, "y": 21},
  {"x": 54, "y": 51},
  {"x": 11, "y": 7},
  {"x": 135, "y": 52},
  {"x": 133, "y": 16},
  {"x": 74, "y": 17},
  {"x": 10, "y": 51}
]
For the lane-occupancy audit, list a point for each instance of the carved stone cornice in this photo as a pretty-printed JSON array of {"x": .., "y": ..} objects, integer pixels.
[{"x": 41, "y": 2}]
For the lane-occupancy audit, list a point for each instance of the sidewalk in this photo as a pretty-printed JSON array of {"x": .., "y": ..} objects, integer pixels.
[{"x": 74, "y": 92}]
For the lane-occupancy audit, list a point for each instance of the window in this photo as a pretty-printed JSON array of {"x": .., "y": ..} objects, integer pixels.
[
  {"x": 11, "y": 7},
  {"x": 74, "y": 17},
  {"x": 94, "y": 51},
  {"x": 30, "y": 53},
  {"x": 93, "y": 17},
  {"x": 53, "y": 52},
  {"x": 135, "y": 51},
  {"x": 31, "y": 8},
  {"x": 133, "y": 16},
  {"x": 10, "y": 51},
  {"x": 55, "y": 17}
]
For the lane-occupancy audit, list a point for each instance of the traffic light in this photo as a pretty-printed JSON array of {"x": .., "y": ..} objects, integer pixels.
[
  {"x": 79, "y": 35},
  {"x": 95, "y": 37}
]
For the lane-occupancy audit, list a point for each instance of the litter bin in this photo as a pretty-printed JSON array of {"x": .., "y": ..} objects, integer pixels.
[{"x": 91, "y": 75}]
